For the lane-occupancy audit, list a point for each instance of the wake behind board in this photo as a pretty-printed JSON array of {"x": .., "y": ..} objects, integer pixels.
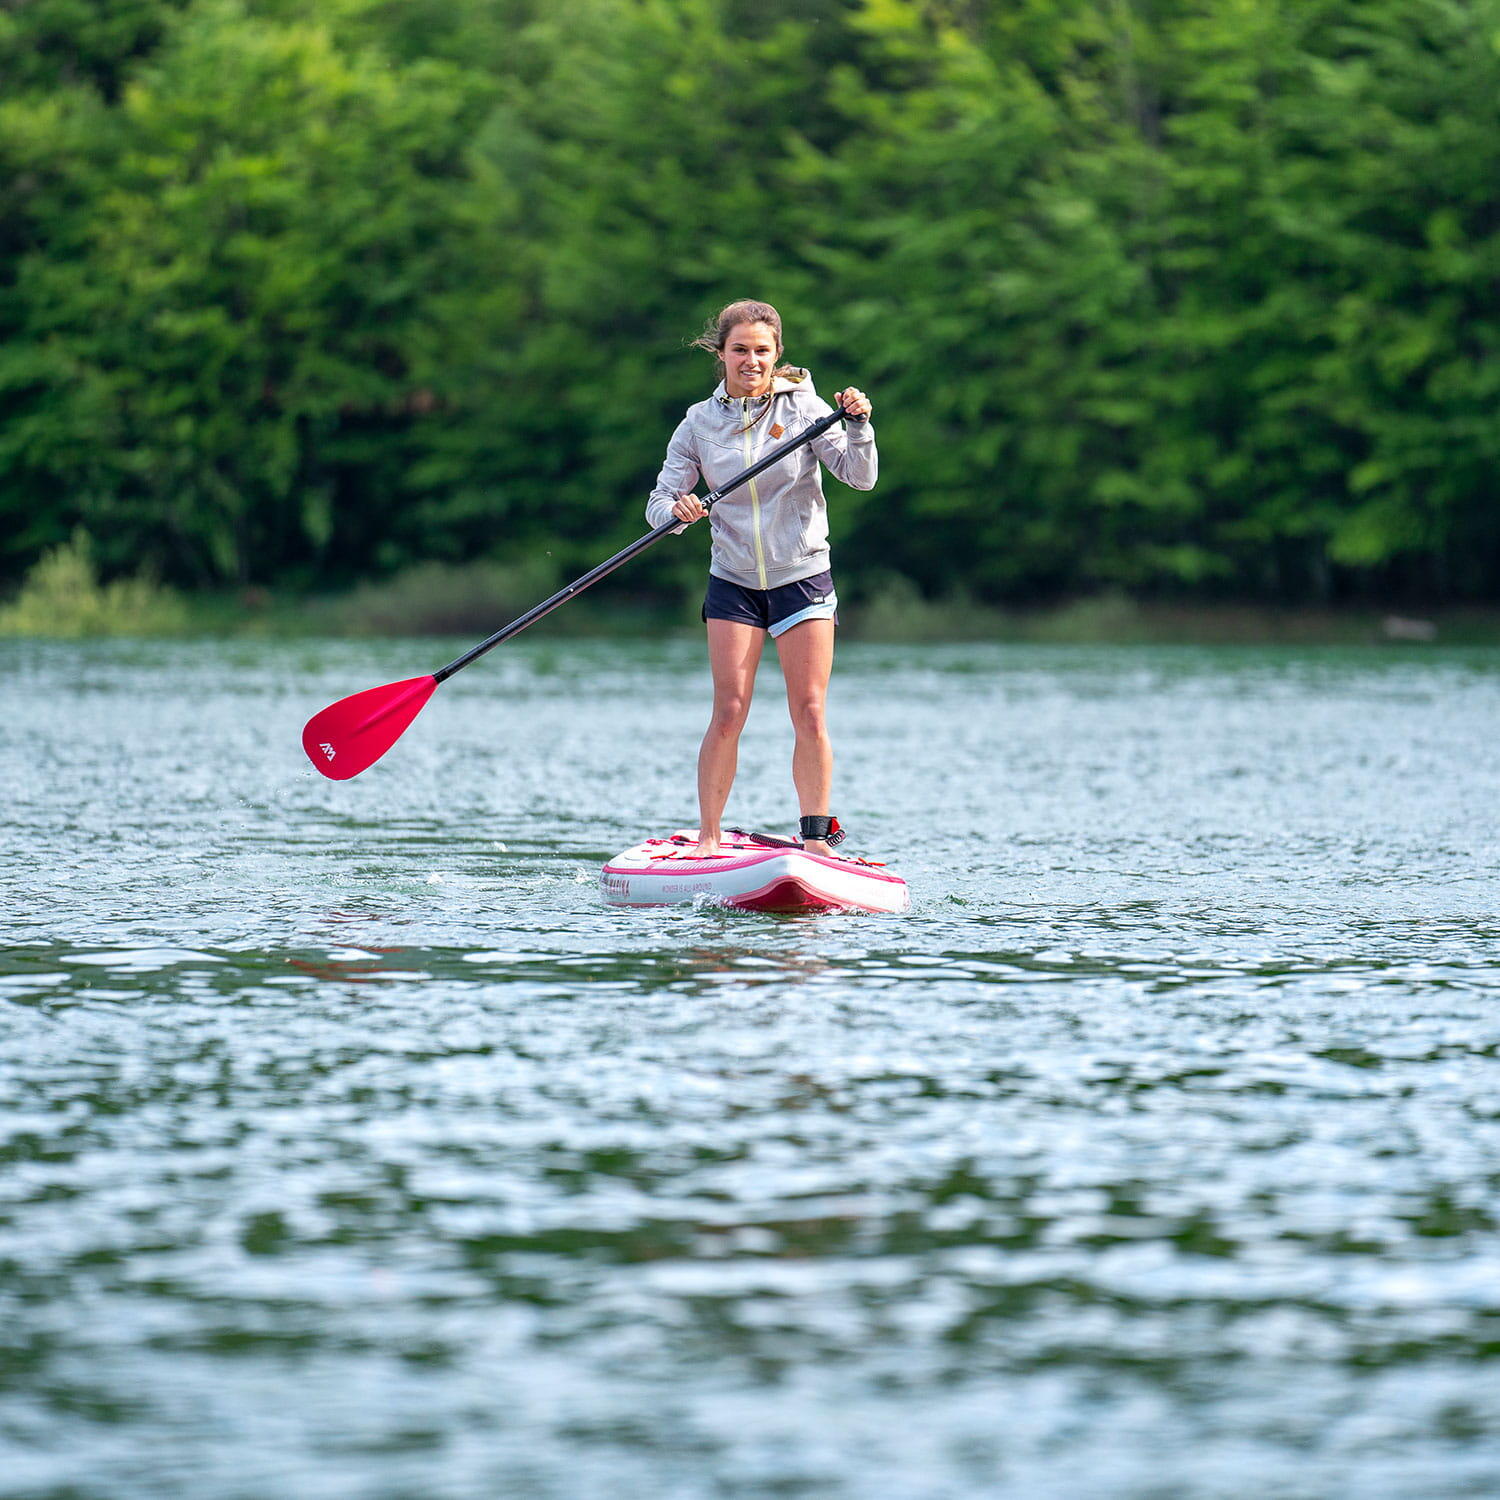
[{"x": 750, "y": 875}]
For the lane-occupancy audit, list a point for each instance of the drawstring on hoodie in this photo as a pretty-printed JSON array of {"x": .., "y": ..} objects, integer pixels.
[
  {"x": 764, "y": 411},
  {"x": 781, "y": 372},
  {"x": 755, "y": 421}
]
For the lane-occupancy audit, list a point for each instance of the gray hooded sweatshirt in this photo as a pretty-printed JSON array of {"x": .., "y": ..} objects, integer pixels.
[{"x": 773, "y": 530}]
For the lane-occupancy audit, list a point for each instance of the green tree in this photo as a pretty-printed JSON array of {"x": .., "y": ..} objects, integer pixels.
[
  {"x": 254, "y": 273},
  {"x": 1163, "y": 294}
]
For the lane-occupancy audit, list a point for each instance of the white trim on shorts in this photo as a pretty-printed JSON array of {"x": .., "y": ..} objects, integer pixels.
[{"x": 823, "y": 611}]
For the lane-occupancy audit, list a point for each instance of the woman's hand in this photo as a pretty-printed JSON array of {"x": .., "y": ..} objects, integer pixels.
[
  {"x": 688, "y": 508},
  {"x": 854, "y": 402}
]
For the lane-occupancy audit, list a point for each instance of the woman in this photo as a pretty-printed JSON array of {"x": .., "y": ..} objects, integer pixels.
[{"x": 769, "y": 572}]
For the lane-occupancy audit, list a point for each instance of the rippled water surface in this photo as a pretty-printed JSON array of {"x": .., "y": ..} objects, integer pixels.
[{"x": 351, "y": 1148}]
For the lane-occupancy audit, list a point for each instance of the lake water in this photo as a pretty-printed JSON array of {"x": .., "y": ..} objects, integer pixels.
[{"x": 352, "y": 1148}]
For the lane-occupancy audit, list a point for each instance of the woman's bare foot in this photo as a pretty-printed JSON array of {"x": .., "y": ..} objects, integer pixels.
[{"x": 816, "y": 846}]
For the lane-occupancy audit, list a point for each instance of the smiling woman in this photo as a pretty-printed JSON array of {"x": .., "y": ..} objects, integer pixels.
[{"x": 770, "y": 573}]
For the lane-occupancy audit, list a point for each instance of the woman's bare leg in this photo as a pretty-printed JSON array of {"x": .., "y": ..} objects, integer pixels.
[
  {"x": 733, "y": 655},
  {"x": 806, "y": 652}
]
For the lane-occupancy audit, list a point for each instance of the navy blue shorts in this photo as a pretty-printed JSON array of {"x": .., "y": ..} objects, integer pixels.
[{"x": 772, "y": 609}]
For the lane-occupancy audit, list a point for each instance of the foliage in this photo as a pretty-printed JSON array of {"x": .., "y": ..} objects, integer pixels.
[
  {"x": 62, "y": 597},
  {"x": 1183, "y": 298},
  {"x": 439, "y": 599}
]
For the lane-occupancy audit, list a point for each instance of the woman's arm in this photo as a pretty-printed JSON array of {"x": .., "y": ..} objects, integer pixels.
[
  {"x": 848, "y": 450},
  {"x": 679, "y": 473}
]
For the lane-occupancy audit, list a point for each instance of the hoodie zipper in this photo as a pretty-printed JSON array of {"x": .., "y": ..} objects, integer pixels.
[{"x": 760, "y": 551}]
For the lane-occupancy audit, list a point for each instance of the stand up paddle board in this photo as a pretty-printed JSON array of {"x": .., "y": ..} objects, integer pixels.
[{"x": 751, "y": 874}]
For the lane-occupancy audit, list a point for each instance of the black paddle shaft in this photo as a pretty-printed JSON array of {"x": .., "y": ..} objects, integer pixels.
[{"x": 650, "y": 539}]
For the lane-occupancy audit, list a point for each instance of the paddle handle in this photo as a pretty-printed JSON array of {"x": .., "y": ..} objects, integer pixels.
[{"x": 578, "y": 585}]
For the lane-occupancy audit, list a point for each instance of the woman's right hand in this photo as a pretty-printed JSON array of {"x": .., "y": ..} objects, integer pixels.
[{"x": 688, "y": 508}]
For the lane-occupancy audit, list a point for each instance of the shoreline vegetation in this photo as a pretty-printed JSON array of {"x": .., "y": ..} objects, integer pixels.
[{"x": 63, "y": 597}]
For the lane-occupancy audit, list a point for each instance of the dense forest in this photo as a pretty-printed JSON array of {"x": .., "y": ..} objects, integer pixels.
[{"x": 1189, "y": 298}]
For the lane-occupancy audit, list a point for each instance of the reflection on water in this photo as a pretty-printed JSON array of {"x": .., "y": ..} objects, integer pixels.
[{"x": 351, "y": 1147}]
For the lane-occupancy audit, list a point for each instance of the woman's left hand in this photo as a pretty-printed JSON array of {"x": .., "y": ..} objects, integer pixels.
[{"x": 854, "y": 402}]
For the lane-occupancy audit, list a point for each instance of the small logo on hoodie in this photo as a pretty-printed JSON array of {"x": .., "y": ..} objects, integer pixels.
[{"x": 777, "y": 429}]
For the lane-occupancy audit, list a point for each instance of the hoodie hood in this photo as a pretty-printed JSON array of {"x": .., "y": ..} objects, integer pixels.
[{"x": 792, "y": 380}]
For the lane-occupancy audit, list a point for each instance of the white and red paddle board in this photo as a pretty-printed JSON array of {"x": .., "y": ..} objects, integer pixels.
[{"x": 750, "y": 875}]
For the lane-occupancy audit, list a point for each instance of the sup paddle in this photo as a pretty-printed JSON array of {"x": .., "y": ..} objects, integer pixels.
[{"x": 349, "y": 736}]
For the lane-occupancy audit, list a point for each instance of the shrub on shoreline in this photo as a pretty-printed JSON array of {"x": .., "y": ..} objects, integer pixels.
[
  {"x": 436, "y": 598},
  {"x": 63, "y": 597}
]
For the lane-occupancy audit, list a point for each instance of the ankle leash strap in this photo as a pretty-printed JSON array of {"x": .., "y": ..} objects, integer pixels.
[{"x": 819, "y": 826}]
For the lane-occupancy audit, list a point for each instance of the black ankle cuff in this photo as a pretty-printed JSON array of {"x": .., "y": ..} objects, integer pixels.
[{"x": 819, "y": 826}]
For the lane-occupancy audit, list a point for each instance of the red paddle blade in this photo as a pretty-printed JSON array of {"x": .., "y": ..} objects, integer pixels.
[{"x": 351, "y": 735}]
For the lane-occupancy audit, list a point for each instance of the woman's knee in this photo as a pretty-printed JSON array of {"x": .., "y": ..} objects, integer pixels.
[
  {"x": 729, "y": 715},
  {"x": 809, "y": 716}
]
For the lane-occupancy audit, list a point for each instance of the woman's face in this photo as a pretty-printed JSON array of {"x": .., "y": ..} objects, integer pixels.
[{"x": 749, "y": 354}]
